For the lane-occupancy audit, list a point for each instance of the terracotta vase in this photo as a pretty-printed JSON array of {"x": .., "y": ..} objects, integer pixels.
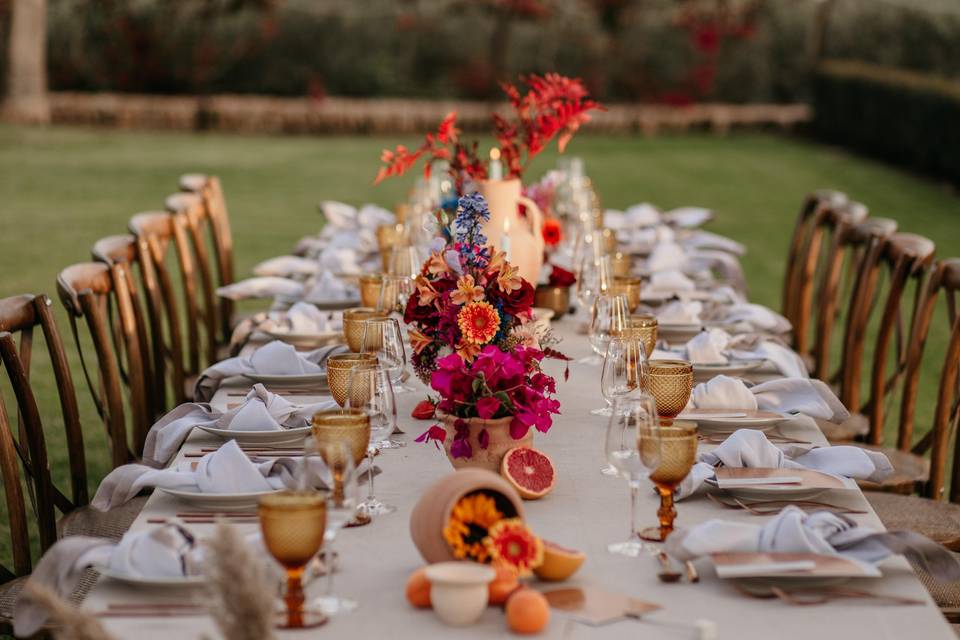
[
  {"x": 432, "y": 511},
  {"x": 500, "y": 442},
  {"x": 525, "y": 245}
]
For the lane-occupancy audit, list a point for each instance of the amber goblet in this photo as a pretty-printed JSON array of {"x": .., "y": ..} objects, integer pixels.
[
  {"x": 628, "y": 287},
  {"x": 622, "y": 264},
  {"x": 338, "y": 372},
  {"x": 670, "y": 382},
  {"x": 351, "y": 426},
  {"x": 293, "y": 524},
  {"x": 370, "y": 284},
  {"x": 353, "y": 324},
  {"x": 678, "y": 452},
  {"x": 645, "y": 328}
]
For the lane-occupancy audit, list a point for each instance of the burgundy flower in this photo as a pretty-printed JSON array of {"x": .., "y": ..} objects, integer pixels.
[
  {"x": 560, "y": 277},
  {"x": 516, "y": 301}
]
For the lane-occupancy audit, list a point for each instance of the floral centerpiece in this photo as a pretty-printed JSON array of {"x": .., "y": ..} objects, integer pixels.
[{"x": 475, "y": 345}]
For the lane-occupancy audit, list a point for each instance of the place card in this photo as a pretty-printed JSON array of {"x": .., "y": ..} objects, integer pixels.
[
  {"x": 595, "y": 606},
  {"x": 790, "y": 565}
]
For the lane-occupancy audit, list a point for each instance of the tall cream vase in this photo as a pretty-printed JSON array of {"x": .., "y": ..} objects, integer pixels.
[{"x": 525, "y": 237}]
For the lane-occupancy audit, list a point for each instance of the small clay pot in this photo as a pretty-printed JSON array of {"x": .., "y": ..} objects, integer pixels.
[
  {"x": 432, "y": 511},
  {"x": 500, "y": 441}
]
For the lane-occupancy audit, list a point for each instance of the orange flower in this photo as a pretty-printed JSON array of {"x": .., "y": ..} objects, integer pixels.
[
  {"x": 469, "y": 523},
  {"x": 436, "y": 264},
  {"x": 479, "y": 322},
  {"x": 467, "y": 291},
  {"x": 425, "y": 288},
  {"x": 552, "y": 232},
  {"x": 510, "y": 543},
  {"x": 497, "y": 260},
  {"x": 468, "y": 351},
  {"x": 418, "y": 341},
  {"x": 509, "y": 278}
]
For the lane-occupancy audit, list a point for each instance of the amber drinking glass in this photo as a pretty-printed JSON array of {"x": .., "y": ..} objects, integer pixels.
[
  {"x": 293, "y": 524},
  {"x": 350, "y": 426},
  {"x": 645, "y": 327},
  {"x": 628, "y": 287},
  {"x": 678, "y": 452},
  {"x": 670, "y": 382},
  {"x": 370, "y": 284},
  {"x": 353, "y": 324},
  {"x": 338, "y": 372}
]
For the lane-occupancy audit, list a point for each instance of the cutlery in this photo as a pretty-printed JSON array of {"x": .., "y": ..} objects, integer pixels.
[
  {"x": 202, "y": 520},
  {"x": 667, "y": 572},
  {"x": 692, "y": 575}
]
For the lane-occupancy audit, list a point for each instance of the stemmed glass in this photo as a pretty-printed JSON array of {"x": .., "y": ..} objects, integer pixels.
[
  {"x": 633, "y": 448},
  {"x": 678, "y": 452},
  {"x": 383, "y": 338},
  {"x": 594, "y": 277},
  {"x": 293, "y": 524},
  {"x": 623, "y": 370},
  {"x": 403, "y": 267},
  {"x": 610, "y": 314},
  {"x": 371, "y": 391},
  {"x": 342, "y": 478}
]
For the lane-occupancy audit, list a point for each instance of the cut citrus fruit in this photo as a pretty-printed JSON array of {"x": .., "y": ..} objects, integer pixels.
[
  {"x": 530, "y": 472},
  {"x": 559, "y": 563}
]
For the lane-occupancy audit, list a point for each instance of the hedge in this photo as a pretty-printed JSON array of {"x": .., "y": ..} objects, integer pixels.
[{"x": 900, "y": 116}]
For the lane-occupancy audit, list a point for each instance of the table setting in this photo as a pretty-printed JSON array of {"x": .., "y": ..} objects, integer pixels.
[{"x": 462, "y": 436}]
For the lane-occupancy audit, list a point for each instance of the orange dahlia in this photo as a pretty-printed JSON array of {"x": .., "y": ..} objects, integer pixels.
[
  {"x": 510, "y": 543},
  {"x": 479, "y": 322}
]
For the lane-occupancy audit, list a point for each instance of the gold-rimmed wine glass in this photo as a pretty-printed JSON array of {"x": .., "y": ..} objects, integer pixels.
[
  {"x": 670, "y": 382},
  {"x": 678, "y": 452},
  {"x": 293, "y": 524},
  {"x": 338, "y": 372},
  {"x": 371, "y": 392}
]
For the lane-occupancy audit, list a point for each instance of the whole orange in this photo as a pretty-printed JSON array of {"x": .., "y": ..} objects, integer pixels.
[
  {"x": 418, "y": 589},
  {"x": 503, "y": 585},
  {"x": 527, "y": 611}
]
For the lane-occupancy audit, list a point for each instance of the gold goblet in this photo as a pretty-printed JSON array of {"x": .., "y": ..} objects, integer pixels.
[
  {"x": 388, "y": 235},
  {"x": 353, "y": 324},
  {"x": 370, "y": 284},
  {"x": 351, "y": 426},
  {"x": 293, "y": 524},
  {"x": 678, "y": 452},
  {"x": 670, "y": 383},
  {"x": 645, "y": 326},
  {"x": 338, "y": 372},
  {"x": 557, "y": 299},
  {"x": 622, "y": 264},
  {"x": 628, "y": 287},
  {"x": 609, "y": 241}
]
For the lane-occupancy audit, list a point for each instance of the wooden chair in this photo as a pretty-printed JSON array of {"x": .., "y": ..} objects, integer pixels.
[
  {"x": 935, "y": 514},
  {"x": 211, "y": 191},
  {"x": 27, "y": 453},
  {"x": 162, "y": 238},
  {"x": 802, "y": 251},
  {"x": 165, "y": 345},
  {"x": 101, "y": 295}
]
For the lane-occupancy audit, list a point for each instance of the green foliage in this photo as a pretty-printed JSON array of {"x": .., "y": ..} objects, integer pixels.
[{"x": 901, "y": 116}]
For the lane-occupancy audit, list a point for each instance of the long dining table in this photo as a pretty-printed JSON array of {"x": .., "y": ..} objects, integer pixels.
[{"x": 586, "y": 510}]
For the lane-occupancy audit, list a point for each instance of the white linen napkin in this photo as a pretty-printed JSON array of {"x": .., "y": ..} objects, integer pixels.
[
  {"x": 750, "y": 449},
  {"x": 328, "y": 287},
  {"x": 286, "y": 267},
  {"x": 302, "y": 318},
  {"x": 784, "y": 359},
  {"x": 709, "y": 241},
  {"x": 338, "y": 260},
  {"x": 687, "y": 217},
  {"x": 718, "y": 266},
  {"x": 671, "y": 281},
  {"x": 339, "y": 214},
  {"x": 708, "y": 347},
  {"x": 666, "y": 256},
  {"x": 260, "y": 411},
  {"x": 261, "y": 287},
  {"x": 820, "y": 532},
  {"x": 165, "y": 551},
  {"x": 747, "y": 317},
  {"x": 273, "y": 358},
  {"x": 680, "y": 312},
  {"x": 636, "y": 216},
  {"x": 807, "y": 396}
]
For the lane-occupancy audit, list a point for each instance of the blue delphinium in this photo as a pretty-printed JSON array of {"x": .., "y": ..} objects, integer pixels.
[{"x": 472, "y": 212}]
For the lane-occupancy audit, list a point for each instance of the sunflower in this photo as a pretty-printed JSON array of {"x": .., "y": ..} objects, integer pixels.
[
  {"x": 510, "y": 543},
  {"x": 479, "y": 322},
  {"x": 470, "y": 521}
]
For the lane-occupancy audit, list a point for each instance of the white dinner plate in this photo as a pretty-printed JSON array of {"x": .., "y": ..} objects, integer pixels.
[
  {"x": 813, "y": 484},
  {"x": 280, "y": 436},
  {"x": 152, "y": 582},
  {"x": 729, "y": 368},
  {"x": 218, "y": 501},
  {"x": 678, "y": 332},
  {"x": 308, "y": 340},
  {"x": 732, "y": 419},
  {"x": 298, "y": 380}
]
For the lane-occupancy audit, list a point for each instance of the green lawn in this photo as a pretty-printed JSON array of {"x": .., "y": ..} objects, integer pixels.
[{"x": 63, "y": 188}]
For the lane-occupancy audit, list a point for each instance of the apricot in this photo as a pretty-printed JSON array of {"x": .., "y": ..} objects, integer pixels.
[
  {"x": 503, "y": 585},
  {"x": 418, "y": 589},
  {"x": 527, "y": 612}
]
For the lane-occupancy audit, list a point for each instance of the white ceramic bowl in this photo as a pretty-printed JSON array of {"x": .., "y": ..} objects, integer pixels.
[{"x": 458, "y": 591}]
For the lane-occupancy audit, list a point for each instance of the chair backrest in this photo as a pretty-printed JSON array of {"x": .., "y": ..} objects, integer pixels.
[
  {"x": 19, "y": 317},
  {"x": 189, "y": 211},
  {"x": 944, "y": 281},
  {"x": 210, "y": 189},
  {"x": 165, "y": 345},
  {"x": 101, "y": 295},
  {"x": 159, "y": 234},
  {"x": 800, "y": 248},
  {"x": 905, "y": 260}
]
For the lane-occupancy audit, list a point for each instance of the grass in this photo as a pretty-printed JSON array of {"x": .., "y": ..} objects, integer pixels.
[{"x": 63, "y": 188}]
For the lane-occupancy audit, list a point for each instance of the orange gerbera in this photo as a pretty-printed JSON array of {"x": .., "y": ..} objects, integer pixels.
[
  {"x": 509, "y": 278},
  {"x": 418, "y": 341},
  {"x": 510, "y": 543},
  {"x": 479, "y": 322},
  {"x": 467, "y": 291},
  {"x": 468, "y": 526}
]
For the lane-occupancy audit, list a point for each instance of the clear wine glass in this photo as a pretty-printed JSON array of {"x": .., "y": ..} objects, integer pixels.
[
  {"x": 402, "y": 268},
  {"x": 383, "y": 338},
  {"x": 371, "y": 391},
  {"x": 623, "y": 369},
  {"x": 610, "y": 314},
  {"x": 632, "y": 447},
  {"x": 594, "y": 276}
]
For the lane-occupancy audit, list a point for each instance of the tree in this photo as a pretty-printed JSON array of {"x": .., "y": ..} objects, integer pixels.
[{"x": 26, "y": 98}]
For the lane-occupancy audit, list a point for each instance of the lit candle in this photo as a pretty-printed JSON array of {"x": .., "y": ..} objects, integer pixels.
[
  {"x": 496, "y": 167},
  {"x": 505, "y": 238}
]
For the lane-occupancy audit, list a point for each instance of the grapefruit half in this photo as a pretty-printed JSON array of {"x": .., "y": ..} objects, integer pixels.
[
  {"x": 531, "y": 472},
  {"x": 559, "y": 563}
]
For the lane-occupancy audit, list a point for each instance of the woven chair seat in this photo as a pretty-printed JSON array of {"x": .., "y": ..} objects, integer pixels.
[
  {"x": 939, "y": 521},
  {"x": 87, "y": 521},
  {"x": 908, "y": 470},
  {"x": 10, "y": 590}
]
